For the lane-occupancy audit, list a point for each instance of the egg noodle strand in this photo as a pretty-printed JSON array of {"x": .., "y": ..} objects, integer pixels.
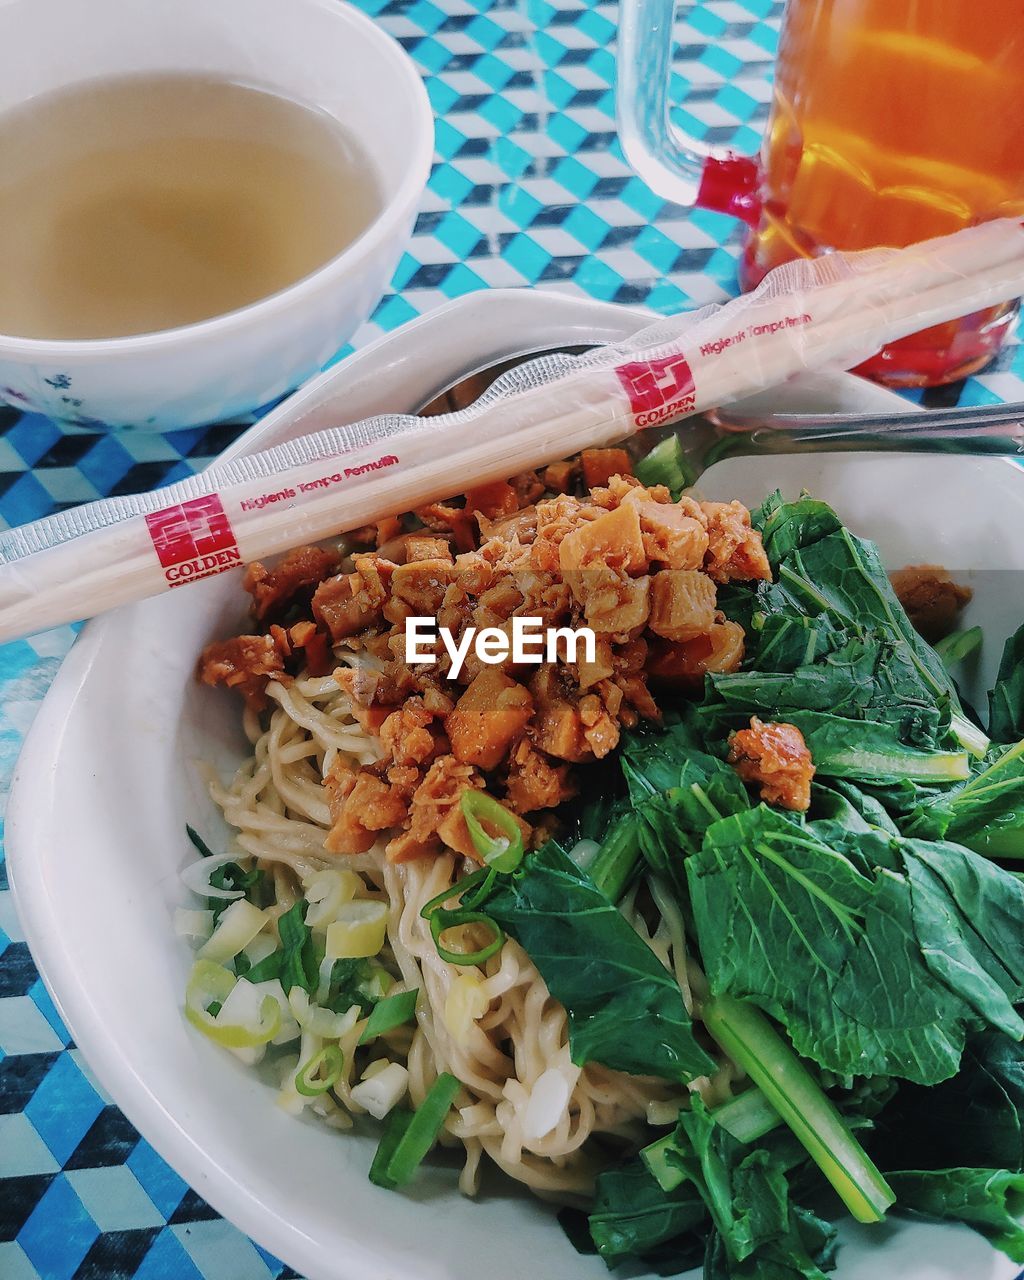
[{"x": 524, "y": 1103}]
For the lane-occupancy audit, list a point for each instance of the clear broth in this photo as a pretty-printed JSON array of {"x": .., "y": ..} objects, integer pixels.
[{"x": 142, "y": 203}]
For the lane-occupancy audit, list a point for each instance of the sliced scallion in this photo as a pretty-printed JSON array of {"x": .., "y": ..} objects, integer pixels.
[
  {"x": 389, "y": 1013},
  {"x": 200, "y": 845},
  {"x": 442, "y": 920},
  {"x": 504, "y": 851},
  {"x": 320, "y": 1073},
  {"x": 458, "y": 890},
  {"x": 409, "y": 1135},
  {"x": 209, "y": 987}
]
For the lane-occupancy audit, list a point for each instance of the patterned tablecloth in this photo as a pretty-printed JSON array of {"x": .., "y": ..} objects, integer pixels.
[{"x": 529, "y": 188}]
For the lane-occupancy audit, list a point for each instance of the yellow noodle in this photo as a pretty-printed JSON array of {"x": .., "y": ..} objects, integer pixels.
[{"x": 279, "y": 808}]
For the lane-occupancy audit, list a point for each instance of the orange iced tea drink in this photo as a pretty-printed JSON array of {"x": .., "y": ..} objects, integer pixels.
[{"x": 893, "y": 121}]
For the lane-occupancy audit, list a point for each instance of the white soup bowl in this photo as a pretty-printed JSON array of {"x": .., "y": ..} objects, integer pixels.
[{"x": 323, "y": 53}]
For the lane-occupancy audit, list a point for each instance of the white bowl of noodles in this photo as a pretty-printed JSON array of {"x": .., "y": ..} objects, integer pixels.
[{"x": 115, "y": 766}]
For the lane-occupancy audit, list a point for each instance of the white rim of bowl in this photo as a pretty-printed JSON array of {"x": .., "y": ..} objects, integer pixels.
[{"x": 396, "y": 209}]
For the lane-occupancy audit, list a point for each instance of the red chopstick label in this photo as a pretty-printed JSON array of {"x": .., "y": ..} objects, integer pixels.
[
  {"x": 658, "y": 389},
  {"x": 193, "y": 539}
]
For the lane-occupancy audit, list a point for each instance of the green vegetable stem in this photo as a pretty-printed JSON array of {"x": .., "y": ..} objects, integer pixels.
[{"x": 746, "y": 1035}]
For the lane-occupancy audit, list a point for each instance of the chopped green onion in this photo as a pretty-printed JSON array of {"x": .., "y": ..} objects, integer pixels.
[
  {"x": 389, "y": 1013},
  {"x": 308, "y": 1080},
  {"x": 442, "y": 920},
  {"x": 197, "y": 840},
  {"x": 457, "y": 890},
  {"x": 502, "y": 852},
  {"x": 750, "y": 1040},
  {"x": 209, "y": 987},
  {"x": 479, "y": 893},
  {"x": 409, "y": 1135},
  {"x": 238, "y": 924}
]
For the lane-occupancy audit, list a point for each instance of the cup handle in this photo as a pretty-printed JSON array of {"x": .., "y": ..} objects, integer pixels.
[{"x": 674, "y": 165}]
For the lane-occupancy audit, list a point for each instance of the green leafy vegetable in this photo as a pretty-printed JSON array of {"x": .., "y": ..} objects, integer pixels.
[
  {"x": 804, "y": 1251},
  {"x": 822, "y": 569},
  {"x": 625, "y": 1009},
  {"x": 789, "y": 1088},
  {"x": 632, "y": 1217},
  {"x": 300, "y": 963},
  {"x": 264, "y": 970},
  {"x": 990, "y": 1200},
  {"x": 845, "y": 955},
  {"x": 975, "y": 1119},
  {"x": 677, "y": 791},
  {"x": 356, "y": 982},
  {"x": 986, "y": 813},
  {"x": 744, "y": 1188},
  {"x": 1006, "y": 701}
]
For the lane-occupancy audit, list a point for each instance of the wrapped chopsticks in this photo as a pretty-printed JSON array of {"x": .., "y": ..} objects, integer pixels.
[{"x": 835, "y": 311}]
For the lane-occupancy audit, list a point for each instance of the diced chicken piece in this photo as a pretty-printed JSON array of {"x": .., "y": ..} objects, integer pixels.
[
  {"x": 498, "y": 602},
  {"x": 244, "y": 663},
  {"x": 556, "y": 519},
  {"x": 528, "y": 486},
  {"x": 616, "y": 605},
  {"x": 932, "y": 599},
  {"x": 599, "y": 713},
  {"x": 682, "y": 604},
  {"x": 435, "y": 798},
  {"x": 599, "y": 465},
  {"x": 436, "y": 817},
  {"x": 361, "y": 684},
  {"x": 687, "y": 662},
  {"x": 630, "y": 677},
  {"x": 408, "y": 733},
  {"x": 735, "y": 552},
  {"x": 558, "y": 477},
  {"x": 296, "y": 573},
  {"x": 558, "y": 727},
  {"x": 448, "y": 519},
  {"x": 352, "y": 602},
  {"x": 417, "y": 589},
  {"x": 492, "y": 713},
  {"x": 671, "y": 536},
  {"x": 420, "y": 547},
  {"x": 493, "y": 500},
  {"x": 600, "y": 669},
  {"x": 775, "y": 757},
  {"x": 362, "y": 805},
  {"x": 612, "y": 540},
  {"x": 375, "y": 535},
  {"x": 536, "y": 782}
]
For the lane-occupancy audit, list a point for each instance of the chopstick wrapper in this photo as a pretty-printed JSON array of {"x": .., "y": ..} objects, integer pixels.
[{"x": 832, "y": 311}]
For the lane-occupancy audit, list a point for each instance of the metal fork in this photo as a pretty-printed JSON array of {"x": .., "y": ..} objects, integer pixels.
[{"x": 708, "y": 438}]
